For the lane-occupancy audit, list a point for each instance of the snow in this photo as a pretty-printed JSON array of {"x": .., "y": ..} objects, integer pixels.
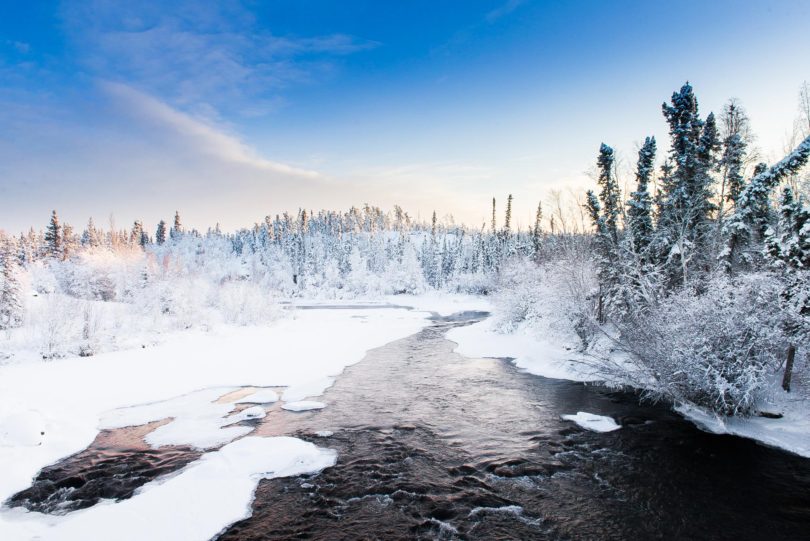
[
  {"x": 549, "y": 355},
  {"x": 25, "y": 429},
  {"x": 791, "y": 432},
  {"x": 181, "y": 378},
  {"x": 212, "y": 492},
  {"x": 303, "y": 405},
  {"x": 593, "y": 422}
]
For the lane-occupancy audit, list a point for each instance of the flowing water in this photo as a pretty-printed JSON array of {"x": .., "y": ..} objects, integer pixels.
[{"x": 435, "y": 445}]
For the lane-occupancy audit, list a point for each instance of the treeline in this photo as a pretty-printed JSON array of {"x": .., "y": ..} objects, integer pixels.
[{"x": 359, "y": 252}]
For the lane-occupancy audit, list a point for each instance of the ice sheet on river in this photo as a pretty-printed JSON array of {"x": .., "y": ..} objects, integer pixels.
[{"x": 593, "y": 422}]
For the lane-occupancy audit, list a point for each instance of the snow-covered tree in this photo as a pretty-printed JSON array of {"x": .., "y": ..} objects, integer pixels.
[
  {"x": 639, "y": 207},
  {"x": 160, "y": 234},
  {"x": 11, "y": 301},
  {"x": 53, "y": 237},
  {"x": 177, "y": 228}
]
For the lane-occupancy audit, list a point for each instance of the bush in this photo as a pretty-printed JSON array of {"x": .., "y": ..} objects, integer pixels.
[{"x": 715, "y": 350}]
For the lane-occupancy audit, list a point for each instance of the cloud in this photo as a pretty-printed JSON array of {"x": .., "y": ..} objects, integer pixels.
[
  {"x": 505, "y": 9},
  {"x": 195, "y": 133},
  {"x": 201, "y": 54}
]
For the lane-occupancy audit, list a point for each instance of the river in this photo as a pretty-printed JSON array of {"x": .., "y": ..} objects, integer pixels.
[{"x": 434, "y": 445}]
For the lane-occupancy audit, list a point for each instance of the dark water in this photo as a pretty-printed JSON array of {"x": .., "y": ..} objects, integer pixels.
[
  {"x": 434, "y": 445},
  {"x": 112, "y": 468}
]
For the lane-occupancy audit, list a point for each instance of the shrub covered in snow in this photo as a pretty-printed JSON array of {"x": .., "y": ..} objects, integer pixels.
[{"x": 716, "y": 350}]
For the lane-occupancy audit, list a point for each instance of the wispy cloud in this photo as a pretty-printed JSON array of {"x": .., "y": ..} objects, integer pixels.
[
  {"x": 200, "y": 54},
  {"x": 505, "y": 9},
  {"x": 197, "y": 134}
]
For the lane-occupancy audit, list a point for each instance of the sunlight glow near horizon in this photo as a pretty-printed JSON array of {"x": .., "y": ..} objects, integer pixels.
[{"x": 231, "y": 113}]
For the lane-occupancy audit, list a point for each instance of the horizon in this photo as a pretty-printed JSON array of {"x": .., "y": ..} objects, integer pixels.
[{"x": 231, "y": 113}]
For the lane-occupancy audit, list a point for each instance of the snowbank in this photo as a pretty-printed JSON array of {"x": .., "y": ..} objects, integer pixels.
[
  {"x": 791, "y": 432},
  {"x": 593, "y": 422},
  {"x": 550, "y": 355}
]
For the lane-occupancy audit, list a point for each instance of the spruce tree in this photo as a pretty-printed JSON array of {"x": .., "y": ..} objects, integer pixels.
[
  {"x": 507, "y": 227},
  {"x": 686, "y": 203},
  {"x": 53, "y": 237},
  {"x": 136, "y": 235},
  {"x": 494, "y": 224},
  {"x": 639, "y": 212},
  {"x": 537, "y": 230},
  {"x": 160, "y": 234},
  {"x": 746, "y": 227},
  {"x": 609, "y": 195},
  {"x": 11, "y": 302},
  {"x": 177, "y": 229}
]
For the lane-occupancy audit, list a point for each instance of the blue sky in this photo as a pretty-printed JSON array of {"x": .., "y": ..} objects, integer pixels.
[{"x": 234, "y": 111}]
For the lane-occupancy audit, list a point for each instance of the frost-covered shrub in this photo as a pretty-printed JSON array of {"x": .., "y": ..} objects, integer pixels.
[
  {"x": 519, "y": 297},
  {"x": 56, "y": 324},
  {"x": 477, "y": 283},
  {"x": 244, "y": 303},
  {"x": 716, "y": 350}
]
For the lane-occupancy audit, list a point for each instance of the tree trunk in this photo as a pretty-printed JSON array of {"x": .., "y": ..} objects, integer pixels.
[
  {"x": 600, "y": 316},
  {"x": 791, "y": 355}
]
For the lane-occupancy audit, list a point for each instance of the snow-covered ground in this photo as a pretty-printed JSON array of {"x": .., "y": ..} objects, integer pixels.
[
  {"x": 550, "y": 354},
  {"x": 50, "y": 410}
]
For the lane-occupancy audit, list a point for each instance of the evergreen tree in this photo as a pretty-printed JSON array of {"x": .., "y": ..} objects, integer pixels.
[
  {"x": 494, "y": 224},
  {"x": 53, "y": 237},
  {"x": 177, "y": 229},
  {"x": 537, "y": 230},
  {"x": 69, "y": 241},
  {"x": 746, "y": 227},
  {"x": 160, "y": 234},
  {"x": 736, "y": 132},
  {"x": 136, "y": 235},
  {"x": 11, "y": 303},
  {"x": 791, "y": 245},
  {"x": 686, "y": 203},
  {"x": 609, "y": 196},
  {"x": 639, "y": 210},
  {"x": 507, "y": 227}
]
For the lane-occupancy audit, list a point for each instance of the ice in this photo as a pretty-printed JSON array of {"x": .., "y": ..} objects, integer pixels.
[
  {"x": 262, "y": 396},
  {"x": 197, "y": 420},
  {"x": 591, "y": 421},
  {"x": 303, "y": 405}
]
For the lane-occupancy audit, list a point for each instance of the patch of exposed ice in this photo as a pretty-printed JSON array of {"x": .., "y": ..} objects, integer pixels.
[
  {"x": 590, "y": 421},
  {"x": 262, "y": 396},
  {"x": 303, "y": 405},
  {"x": 198, "y": 419}
]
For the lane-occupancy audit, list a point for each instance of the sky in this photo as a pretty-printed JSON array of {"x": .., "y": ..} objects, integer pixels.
[{"x": 229, "y": 111}]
